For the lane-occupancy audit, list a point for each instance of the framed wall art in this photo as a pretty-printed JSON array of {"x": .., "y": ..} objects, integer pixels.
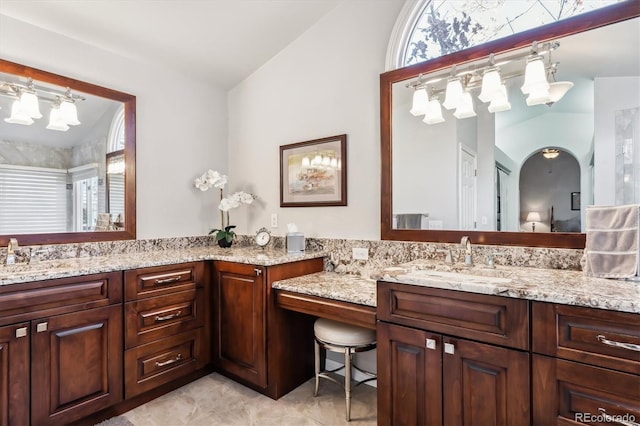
[{"x": 314, "y": 173}]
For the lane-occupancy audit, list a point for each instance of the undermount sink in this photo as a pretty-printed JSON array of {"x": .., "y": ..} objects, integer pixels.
[
  {"x": 35, "y": 267},
  {"x": 462, "y": 276}
]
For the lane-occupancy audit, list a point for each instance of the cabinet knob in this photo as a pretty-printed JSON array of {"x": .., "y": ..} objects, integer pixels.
[
  {"x": 42, "y": 327},
  {"x": 21, "y": 332},
  {"x": 258, "y": 271},
  {"x": 449, "y": 348},
  {"x": 431, "y": 344}
]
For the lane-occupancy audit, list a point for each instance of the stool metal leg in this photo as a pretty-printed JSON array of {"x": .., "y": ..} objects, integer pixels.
[
  {"x": 347, "y": 380},
  {"x": 316, "y": 348}
]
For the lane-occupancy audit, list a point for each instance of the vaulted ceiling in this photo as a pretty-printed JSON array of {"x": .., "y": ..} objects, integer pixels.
[{"x": 222, "y": 41}]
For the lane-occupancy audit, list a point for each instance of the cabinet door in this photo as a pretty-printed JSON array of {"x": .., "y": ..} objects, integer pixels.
[
  {"x": 14, "y": 374},
  {"x": 240, "y": 321},
  {"x": 76, "y": 364},
  {"x": 409, "y": 376},
  {"x": 484, "y": 384}
]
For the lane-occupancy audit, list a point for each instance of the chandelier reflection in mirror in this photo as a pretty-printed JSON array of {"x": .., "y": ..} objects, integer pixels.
[
  {"x": 490, "y": 79},
  {"x": 26, "y": 105},
  {"x": 321, "y": 160}
]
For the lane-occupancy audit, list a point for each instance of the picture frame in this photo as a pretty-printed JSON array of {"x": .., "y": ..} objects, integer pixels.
[
  {"x": 575, "y": 201},
  {"x": 314, "y": 173}
]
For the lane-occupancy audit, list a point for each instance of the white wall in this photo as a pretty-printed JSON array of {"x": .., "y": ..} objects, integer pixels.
[
  {"x": 324, "y": 83},
  {"x": 181, "y": 124}
]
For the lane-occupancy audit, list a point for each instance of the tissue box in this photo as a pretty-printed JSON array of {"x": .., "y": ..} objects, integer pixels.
[{"x": 295, "y": 242}]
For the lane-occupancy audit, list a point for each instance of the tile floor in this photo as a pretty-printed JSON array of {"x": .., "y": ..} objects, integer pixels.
[{"x": 216, "y": 400}]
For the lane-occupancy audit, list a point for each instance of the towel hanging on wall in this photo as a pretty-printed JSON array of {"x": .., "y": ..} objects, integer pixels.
[{"x": 612, "y": 249}]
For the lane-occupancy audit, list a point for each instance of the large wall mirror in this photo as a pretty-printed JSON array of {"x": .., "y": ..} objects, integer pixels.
[
  {"x": 518, "y": 175},
  {"x": 67, "y": 159}
]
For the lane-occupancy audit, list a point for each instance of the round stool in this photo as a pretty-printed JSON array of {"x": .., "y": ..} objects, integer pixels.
[{"x": 344, "y": 338}]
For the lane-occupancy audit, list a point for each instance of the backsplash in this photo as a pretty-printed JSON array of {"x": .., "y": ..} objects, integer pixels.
[{"x": 381, "y": 253}]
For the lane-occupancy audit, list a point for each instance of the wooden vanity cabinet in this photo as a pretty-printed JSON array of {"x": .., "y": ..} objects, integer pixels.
[
  {"x": 167, "y": 331},
  {"x": 264, "y": 347},
  {"x": 439, "y": 361},
  {"x": 60, "y": 349},
  {"x": 586, "y": 365}
]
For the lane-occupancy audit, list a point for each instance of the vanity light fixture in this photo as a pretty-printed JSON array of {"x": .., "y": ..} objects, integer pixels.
[
  {"x": 26, "y": 105},
  {"x": 490, "y": 79},
  {"x": 550, "y": 153}
]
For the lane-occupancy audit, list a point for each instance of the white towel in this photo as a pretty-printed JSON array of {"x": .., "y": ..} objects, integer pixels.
[{"x": 612, "y": 249}]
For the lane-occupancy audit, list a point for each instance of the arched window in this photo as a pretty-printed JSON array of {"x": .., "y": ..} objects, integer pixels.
[
  {"x": 116, "y": 132},
  {"x": 428, "y": 29}
]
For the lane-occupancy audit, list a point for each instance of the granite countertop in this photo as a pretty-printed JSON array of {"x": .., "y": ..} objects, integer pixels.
[
  {"x": 50, "y": 269},
  {"x": 331, "y": 285},
  {"x": 546, "y": 285}
]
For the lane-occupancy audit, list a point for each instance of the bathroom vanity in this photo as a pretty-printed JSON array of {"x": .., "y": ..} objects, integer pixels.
[
  {"x": 492, "y": 346},
  {"x": 104, "y": 334}
]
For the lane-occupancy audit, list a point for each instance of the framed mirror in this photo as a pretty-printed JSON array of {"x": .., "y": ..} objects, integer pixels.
[
  {"x": 485, "y": 176},
  {"x": 67, "y": 159}
]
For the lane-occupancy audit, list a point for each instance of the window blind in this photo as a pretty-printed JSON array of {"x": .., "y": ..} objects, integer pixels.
[{"x": 33, "y": 200}]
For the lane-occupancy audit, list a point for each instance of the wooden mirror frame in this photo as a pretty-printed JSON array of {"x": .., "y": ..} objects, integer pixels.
[
  {"x": 129, "y": 102},
  {"x": 587, "y": 21}
]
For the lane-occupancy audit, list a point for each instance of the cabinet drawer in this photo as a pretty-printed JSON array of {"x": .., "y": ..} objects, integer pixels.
[
  {"x": 565, "y": 392},
  {"x": 154, "y": 364},
  {"x": 491, "y": 319},
  {"x": 162, "y": 316},
  {"x": 156, "y": 281},
  {"x": 19, "y": 301},
  {"x": 587, "y": 335}
]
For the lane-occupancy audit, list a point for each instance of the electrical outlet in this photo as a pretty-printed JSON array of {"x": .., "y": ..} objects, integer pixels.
[
  {"x": 360, "y": 253},
  {"x": 274, "y": 220}
]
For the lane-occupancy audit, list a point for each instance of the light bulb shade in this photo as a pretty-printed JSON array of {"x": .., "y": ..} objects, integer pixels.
[
  {"x": 500, "y": 103},
  {"x": 419, "y": 105},
  {"x": 18, "y": 115},
  {"x": 491, "y": 85},
  {"x": 434, "y": 113},
  {"x": 334, "y": 163},
  {"x": 56, "y": 121},
  {"x": 558, "y": 89},
  {"x": 533, "y": 217},
  {"x": 326, "y": 161},
  {"x": 69, "y": 113},
  {"x": 538, "y": 96},
  {"x": 30, "y": 104},
  {"x": 317, "y": 160},
  {"x": 465, "y": 107},
  {"x": 305, "y": 161},
  {"x": 453, "y": 94},
  {"x": 535, "y": 76}
]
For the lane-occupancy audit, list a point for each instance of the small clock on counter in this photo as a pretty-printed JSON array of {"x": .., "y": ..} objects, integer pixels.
[{"x": 263, "y": 236}]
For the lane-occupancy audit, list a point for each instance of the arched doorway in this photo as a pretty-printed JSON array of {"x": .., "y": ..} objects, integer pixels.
[{"x": 550, "y": 192}]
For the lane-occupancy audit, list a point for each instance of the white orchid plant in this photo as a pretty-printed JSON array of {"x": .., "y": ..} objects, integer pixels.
[{"x": 213, "y": 179}]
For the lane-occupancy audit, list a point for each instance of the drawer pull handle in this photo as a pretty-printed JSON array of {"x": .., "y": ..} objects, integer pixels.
[
  {"x": 169, "y": 280},
  {"x": 626, "y": 420},
  {"x": 168, "y": 317},
  {"x": 169, "y": 361},
  {"x": 629, "y": 346},
  {"x": 431, "y": 344}
]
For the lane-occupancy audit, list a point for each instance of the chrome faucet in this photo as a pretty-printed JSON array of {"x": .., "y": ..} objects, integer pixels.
[
  {"x": 465, "y": 243},
  {"x": 448, "y": 258},
  {"x": 11, "y": 251}
]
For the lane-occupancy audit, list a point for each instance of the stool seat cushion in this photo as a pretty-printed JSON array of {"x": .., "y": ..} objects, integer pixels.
[{"x": 338, "y": 333}]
